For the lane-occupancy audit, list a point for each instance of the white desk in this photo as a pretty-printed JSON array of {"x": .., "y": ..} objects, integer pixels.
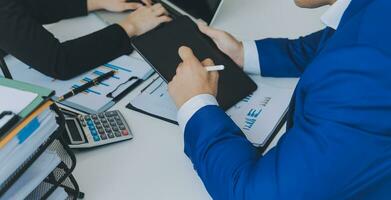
[{"x": 153, "y": 165}]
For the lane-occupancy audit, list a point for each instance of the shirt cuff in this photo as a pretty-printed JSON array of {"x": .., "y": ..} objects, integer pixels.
[
  {"x": 192, "y": 106},
  {"x": 251, "y": 58}
]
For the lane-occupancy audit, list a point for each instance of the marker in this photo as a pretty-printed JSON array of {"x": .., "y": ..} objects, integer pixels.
[{"x": 215, "y": 68}]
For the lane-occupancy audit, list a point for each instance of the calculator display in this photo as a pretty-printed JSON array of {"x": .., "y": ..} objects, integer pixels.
[{"x": 73, "y": 129}]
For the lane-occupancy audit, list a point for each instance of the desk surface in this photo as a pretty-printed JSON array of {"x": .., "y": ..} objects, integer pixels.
[{"x": 153, "y": 165}]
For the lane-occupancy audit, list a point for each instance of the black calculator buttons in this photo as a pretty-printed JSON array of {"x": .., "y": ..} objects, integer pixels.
[
  {"x": 122, "y": 127},
  {"x": 101, "y": 131},
  {"x": 111, "y": 114},
  {"x": 117, "y": 133},
  {"x": 111, "y": 135},
  {"x": 103, "y": 136},
  {"x": 106, "y": 127}
]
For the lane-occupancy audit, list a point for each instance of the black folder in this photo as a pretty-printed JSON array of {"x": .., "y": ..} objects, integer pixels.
[{"x": 159, "y": 48}]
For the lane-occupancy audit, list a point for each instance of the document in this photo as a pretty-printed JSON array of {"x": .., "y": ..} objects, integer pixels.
[
  {"x": 257, "y": 115},
  {"x": 15, "y": 101},
  {"x": 20, "y": 152},
  {"x": 33, "y": 176},
  {"x": 98, "y": 98}
]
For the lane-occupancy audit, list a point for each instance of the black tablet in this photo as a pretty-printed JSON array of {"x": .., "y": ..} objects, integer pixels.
[
  {"x": 159, "y": 48},
  {"x": 198, "y": 9}
]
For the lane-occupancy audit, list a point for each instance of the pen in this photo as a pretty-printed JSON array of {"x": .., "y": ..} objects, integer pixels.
[
  {"x": 89, "y": 84},
  {"x": 215, "y": 68}
]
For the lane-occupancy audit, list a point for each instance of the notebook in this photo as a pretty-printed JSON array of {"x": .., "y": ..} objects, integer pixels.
[{"x": 160, "y": 49}]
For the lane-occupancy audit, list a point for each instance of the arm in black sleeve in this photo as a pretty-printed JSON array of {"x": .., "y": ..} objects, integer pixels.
[
  {"x": 28, "y": 41},
  {"x": 50, "y": 11}
]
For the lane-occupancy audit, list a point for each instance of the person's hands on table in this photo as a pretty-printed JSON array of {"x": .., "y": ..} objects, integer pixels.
[
  {"x": 116, "y": 5},
  {"x": 144, "y": 19},
  {"x": 192, "y": 78},
  {"x": 225, "y": 42}
]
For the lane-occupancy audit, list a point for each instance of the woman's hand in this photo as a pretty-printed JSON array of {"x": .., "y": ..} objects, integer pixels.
[
  {"x": 226, "y": 43},
  {"x": 115, "y": 5},
  {"x": 144, "y": 19}
]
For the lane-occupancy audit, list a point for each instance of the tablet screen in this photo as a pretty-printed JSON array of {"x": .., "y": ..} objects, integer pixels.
[{"x": 199, "y": 9}]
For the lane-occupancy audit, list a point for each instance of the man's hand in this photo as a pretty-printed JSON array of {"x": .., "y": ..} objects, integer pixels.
[
  {"x": 226, "y": 43},
  {"x": 144, "y": 19},
  {"x": 115, "y": 5},
  {"x": 192, "y": 78}
]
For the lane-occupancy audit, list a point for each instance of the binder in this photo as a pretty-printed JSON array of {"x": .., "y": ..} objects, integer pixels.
[
  {"x": 61, "y": 177},
  {"x": 24, "y": 123},
  {"x": 39, "y": 130},
  {"x": 43, "y": 93}
]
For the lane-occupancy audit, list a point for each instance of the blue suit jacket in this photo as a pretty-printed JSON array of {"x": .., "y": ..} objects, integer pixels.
[{"x": 340, "y": 144}]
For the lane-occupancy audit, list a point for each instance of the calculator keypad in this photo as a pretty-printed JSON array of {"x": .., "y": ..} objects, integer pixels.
[{"x": 105, "y": 126}]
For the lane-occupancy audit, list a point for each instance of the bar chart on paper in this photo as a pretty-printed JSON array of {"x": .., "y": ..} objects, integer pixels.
[
  {"x": 94, "y": 99},
  {"x": 257, "y": 115}
]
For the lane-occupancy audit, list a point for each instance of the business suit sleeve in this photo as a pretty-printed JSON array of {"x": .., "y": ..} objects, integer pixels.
[
  {"x": 50, "y": 11},
  {"x": 280, "y": 57},
  {"x": 24, "y": 38},
  {"x": 338, "y": 148}
]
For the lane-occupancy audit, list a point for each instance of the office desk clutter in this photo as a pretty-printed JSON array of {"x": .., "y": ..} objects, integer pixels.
[
  {"x": 34, "y": 160},
  {"x": 129, "y": 71}
]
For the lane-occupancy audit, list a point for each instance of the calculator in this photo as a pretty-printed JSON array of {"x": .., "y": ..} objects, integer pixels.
[{"x": 86, "y": 131}]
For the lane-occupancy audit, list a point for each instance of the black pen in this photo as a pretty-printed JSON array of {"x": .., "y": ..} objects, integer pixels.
[{"x": 84, "y": 87}]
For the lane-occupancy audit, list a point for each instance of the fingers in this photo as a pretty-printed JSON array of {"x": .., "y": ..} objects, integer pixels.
[
  {"x": 164, "y": 19},
  {"x": 208, "y": 62},
  {"x": 213, "y": 76},
  {"x": 187, "y": 55},
  {"x": 132, "y": 6},
  {"x": 158, "y": 9},
  {"x": 147, "y": 2},
  {"x": 211, "y": 32}
]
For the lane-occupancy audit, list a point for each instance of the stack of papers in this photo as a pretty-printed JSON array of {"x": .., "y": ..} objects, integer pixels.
[
  {"x": 32, "y": 135},
  {"x": 34, "y": 175}
]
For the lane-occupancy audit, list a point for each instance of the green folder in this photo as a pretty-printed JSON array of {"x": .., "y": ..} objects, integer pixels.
[{"x": 43, "y": 94}]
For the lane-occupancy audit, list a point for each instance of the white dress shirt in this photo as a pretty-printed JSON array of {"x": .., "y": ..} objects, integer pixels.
[{"x": 331, "y": 18}]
